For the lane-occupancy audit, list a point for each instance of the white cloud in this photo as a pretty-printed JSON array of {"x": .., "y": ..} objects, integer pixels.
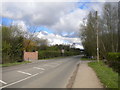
[
  {"x": 60, "y": 0},
  {"x": 57, "y": 39},
  {"x": 63, "y": 18},
  {"x": 70, "y": 22},
  {"x": 36, "y": 13},
  {"x": 20, "y": 24},
  {"x": 79, "y": 46}
]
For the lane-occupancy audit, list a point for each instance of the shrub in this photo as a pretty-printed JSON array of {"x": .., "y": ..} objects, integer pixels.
[
  {"x": 67, "y": 53},
  {"x": 50, "y": 54},
  {"x": 113, "y": 60}
]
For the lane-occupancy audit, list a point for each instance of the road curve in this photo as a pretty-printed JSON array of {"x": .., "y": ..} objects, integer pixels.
[{"x": 54, "y": 73}]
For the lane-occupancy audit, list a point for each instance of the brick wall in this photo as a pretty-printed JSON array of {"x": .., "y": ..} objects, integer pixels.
[{"x": 30, "y": 55}]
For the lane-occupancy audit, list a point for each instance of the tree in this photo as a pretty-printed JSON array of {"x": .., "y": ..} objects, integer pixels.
[
  {"x": 14, "y": 42},
  {"x": 108, "y": 31},
  {"x": 88, "y": 35}
]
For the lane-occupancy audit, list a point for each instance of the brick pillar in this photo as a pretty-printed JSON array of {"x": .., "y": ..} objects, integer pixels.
[{"x": 36, "y": 55}]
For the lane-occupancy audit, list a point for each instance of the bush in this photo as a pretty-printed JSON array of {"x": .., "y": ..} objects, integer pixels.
[
  {"x": 114, "y": 56},
  {"x": 50, "y": 54},
  {"x": 67, "y": 53},
  {"x": 113, "y": 60}
]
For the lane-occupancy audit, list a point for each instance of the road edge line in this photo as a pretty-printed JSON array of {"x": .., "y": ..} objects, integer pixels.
[{"x": 19, "y": 80}]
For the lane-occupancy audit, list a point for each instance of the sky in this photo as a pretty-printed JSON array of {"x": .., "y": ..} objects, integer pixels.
[{"x": 58, "y": 22}]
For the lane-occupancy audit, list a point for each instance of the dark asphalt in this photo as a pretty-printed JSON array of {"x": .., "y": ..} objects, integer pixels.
[{"x": 53, "y": 73}]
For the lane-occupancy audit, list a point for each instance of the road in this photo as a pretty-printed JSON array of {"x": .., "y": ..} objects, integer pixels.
[{"x": 54, "y": 73}]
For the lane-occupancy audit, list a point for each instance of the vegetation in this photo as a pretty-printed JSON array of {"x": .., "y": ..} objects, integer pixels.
[
  {"x": 55, "y": 51},
  {"x": 113, "y": 60},
  {"x": 108, "y": 34},
  {"x": 12, "y": 45},
  {"x": 107, "y": 31},
  {"x": 15, "y": 41},
  {"x": 106, "y": 75},
  {"x": 15, "y": 63}
]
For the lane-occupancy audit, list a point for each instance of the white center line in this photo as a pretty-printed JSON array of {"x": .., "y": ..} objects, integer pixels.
[
  {"x": 39, "y": 68},
  {"x": 3, "y": 82},
  {"x": 24, "y": 72},
  {"x": 20, "y": 80}
]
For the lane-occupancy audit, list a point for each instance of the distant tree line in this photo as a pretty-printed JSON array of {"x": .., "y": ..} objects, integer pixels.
[
  {"x": 15, "y": 41},
  {"x": 56, "y": 51}
]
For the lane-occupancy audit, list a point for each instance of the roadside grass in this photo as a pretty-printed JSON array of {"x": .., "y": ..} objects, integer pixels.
[
  {"x": 15, "y": 63},
  {"x": 107, "y": 76}
]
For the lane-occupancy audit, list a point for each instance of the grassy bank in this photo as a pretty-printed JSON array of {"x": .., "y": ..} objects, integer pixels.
[
  {"x": 15, "y": 63},
  {"x": 107, "y": 76}
]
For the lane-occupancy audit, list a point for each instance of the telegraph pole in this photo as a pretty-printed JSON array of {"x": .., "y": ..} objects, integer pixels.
[
  {"x": 97, "y": 36},
  {"x": 119, "y": 27}
]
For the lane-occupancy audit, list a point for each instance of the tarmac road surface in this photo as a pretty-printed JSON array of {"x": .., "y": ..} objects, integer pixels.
[{"x": 53, "y": 73}]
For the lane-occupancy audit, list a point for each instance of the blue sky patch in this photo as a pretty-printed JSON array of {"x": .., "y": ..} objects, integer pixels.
[
  {"x": 83, "y": 5},
  {"x": 6, "y": 21}
]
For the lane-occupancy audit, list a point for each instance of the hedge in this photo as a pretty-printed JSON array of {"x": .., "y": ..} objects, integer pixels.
[
  {"x": 48, "y": 54},
  {"x": 67, "y": 53},
  {"x": 51, "y": 54},
  {"x": 113, "y": 60}
]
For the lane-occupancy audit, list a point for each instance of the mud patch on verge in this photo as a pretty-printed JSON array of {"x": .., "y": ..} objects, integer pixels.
[{"x": 72, "y": 78}]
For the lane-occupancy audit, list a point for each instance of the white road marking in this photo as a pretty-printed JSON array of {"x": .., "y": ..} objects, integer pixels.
[
  {"x": 3, "y": 82},
  {"x": 24, "y": 72},
  {"x": 19, "y": 80},
  {"x": 39, "y": 68}
]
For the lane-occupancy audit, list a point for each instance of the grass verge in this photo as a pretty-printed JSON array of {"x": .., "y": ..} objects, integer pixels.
[
  {"x": 107, "y": 76},
  {"x": 15, "y": 63}
]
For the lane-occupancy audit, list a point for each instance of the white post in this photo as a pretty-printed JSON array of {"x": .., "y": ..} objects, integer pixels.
[{"x": 97, "y": 36}]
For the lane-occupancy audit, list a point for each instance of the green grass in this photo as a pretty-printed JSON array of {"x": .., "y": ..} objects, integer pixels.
[
  {"x": 107, "y": 76},
  {"x": 15, "y": 63}
]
